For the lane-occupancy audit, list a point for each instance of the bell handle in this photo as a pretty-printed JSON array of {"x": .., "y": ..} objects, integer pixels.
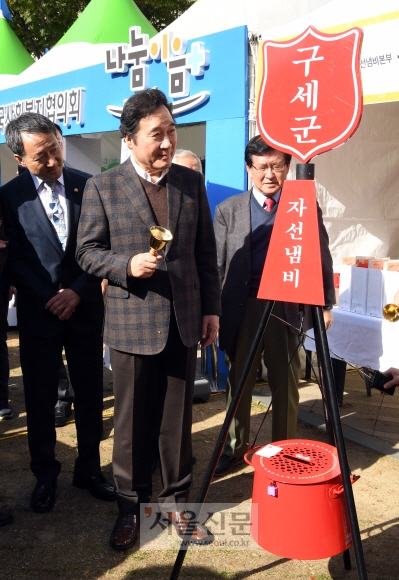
[
  {"x": 248, "y": 455},
  {"x": 337, "y": 490}
]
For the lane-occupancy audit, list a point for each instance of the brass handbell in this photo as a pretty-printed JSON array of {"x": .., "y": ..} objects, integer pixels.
[
  {"x": 158, "y": 239},
  {"x": 391, "y": 312}
]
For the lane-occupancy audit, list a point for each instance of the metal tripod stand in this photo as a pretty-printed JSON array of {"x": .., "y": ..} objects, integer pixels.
[{"x": 333, "y": 421}]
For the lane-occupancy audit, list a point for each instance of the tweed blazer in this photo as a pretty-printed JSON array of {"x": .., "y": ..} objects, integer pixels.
[
  {"x": 37, "y": 265},
  {"x": 233, "y": 240},
  {"x": 114, "y": 226}
]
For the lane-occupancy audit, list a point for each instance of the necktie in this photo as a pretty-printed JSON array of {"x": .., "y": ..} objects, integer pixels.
[
  {"x": 269, "y": 204},
  {"x": 54, "y": 211}
]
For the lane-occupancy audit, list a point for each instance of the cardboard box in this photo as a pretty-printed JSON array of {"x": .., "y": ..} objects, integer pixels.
[
  {"x": 363, "y": 261},
  {"x": 378, "y": 263},
  {"x": 391, "y": 265},
  {"x": 349, "y": 261}
]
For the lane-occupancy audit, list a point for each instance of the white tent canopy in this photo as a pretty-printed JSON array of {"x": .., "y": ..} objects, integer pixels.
[
  {"x": 209, "y": 16},
  {"x": 336, "y": 13},
  {"x": 380, "y": 24},
  {"x": 358, "y": 183},
  {"x": 358, "y": 187}
]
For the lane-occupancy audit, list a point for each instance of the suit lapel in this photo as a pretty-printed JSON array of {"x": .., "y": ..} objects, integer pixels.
[
  {"x": 174, "y": 189},
  {"x": 243, "y": 218},
  {"x": 73, "y": 199},
  {"x": 131, "y": 187},
  {"x": 35, "y": 210}
]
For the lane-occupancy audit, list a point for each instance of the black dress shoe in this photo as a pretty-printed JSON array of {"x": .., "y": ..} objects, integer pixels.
[
  {"x": 43, "y": 496},
  {"x": 125, "y": 532},
  {"x": 97, "y": 485},
  {"x": 6, "y": 413},
  {"x": 61, "y": 414},
  {"x": 5, "y": 518},
  {"x": 183, "y": 525},
  {"x": 226, "y": 464}
]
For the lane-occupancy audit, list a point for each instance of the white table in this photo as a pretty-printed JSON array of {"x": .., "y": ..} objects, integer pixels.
[{"x": 362, "y": 340}]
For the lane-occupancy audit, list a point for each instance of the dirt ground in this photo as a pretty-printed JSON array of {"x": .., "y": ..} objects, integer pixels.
[{"x": 71, "y": 542}]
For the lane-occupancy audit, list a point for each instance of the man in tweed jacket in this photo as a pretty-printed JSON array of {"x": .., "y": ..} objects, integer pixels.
[{"x": 158, "y": 308}]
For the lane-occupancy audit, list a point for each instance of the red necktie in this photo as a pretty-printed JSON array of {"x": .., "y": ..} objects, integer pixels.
[{"x": 269, "y": 204}]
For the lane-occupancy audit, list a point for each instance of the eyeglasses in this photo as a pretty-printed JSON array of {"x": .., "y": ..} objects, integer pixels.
[{"x": 274, "y": 167}]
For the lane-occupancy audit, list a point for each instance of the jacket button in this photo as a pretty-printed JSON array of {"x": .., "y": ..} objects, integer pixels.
[{"x": 247, "y": 282}]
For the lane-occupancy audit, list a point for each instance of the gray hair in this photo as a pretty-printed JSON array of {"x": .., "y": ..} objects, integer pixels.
[
  {"x": 179, "y": 153},
  {"x": 30, "y": 123}
]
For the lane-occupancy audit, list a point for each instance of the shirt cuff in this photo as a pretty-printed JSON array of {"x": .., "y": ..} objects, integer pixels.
[{"x": 129, "y": 268}]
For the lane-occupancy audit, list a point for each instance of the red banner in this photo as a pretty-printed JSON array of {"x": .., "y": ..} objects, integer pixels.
[
  {"x": 310, "y": 98},
  {"x": 292, "y": 271}
]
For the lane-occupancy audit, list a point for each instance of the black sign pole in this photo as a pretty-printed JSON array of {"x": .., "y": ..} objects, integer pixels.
[
  {"x": 332, "y": 406},
  {"x": 223, "y": 434},
  {"x": 306, "y": 171}
]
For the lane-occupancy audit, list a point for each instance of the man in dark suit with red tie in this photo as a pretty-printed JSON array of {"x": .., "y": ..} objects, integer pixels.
[
  {"x": 59, "y": 306},
  {"x": 243, "y": 229},
  {"x": 158, "y": 307}
]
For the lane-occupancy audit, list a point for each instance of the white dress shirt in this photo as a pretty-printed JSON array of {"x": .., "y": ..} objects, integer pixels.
[
  {"x": 59, "y": 190},
  {"x": 260, "y": 197},
  {"x": 144, "y": 174}
]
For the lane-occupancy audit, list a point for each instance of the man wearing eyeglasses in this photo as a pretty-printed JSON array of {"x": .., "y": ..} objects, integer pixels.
[{"x": 243, "y": 227}]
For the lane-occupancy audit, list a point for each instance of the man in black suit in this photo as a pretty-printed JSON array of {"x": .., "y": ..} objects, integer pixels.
[
  {"x": 63, "y": 408},
  {"x": 5, "y": 516},
  {"x": 59, "y": 306}
]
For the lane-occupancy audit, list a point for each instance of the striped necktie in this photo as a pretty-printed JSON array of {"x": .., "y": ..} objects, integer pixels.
[{"x": 54, "y": 211}]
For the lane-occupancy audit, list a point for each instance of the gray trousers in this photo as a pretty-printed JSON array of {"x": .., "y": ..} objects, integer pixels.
[
  {"x": 278, "y": 345},
  {"x": 137, "y": 379}
]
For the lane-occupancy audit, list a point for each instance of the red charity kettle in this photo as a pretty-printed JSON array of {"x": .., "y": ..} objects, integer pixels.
[{"x": 298, "y": 504}]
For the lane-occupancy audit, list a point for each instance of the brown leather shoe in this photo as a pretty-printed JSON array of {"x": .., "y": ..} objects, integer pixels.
[
  {"x": 183, "y": 524},
  {"x": 125, "y": 532}
]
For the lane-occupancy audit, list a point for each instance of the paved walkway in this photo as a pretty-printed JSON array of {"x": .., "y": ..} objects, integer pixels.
[{"x": 369, "y": 421}]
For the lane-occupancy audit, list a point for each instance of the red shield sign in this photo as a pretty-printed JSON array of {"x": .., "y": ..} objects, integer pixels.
[{"x": 310, "y": 98}]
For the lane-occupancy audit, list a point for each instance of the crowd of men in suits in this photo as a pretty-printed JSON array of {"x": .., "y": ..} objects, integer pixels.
[{"x": 66, "y": 233}]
